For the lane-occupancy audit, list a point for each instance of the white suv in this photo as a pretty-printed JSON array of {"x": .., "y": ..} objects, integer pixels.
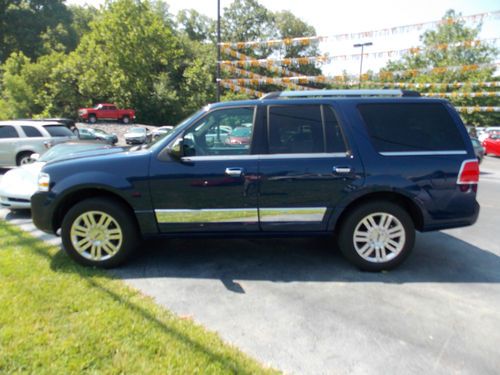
[{"x": 19, "y": 139}]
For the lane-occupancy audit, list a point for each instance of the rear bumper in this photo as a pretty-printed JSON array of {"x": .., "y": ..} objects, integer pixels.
[
  {"x": 454, "y": 223},
  {"x": 42, "y": 211}
]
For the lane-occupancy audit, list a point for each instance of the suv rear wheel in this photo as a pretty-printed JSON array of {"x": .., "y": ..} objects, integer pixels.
[
  {"x": 99, "y": 232},
  {"x": 92, "y": 119},
  {"x": 377, "y": 236}
]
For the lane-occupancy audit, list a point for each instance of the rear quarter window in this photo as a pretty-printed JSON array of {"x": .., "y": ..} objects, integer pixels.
[{"x": 399, "y": 127}]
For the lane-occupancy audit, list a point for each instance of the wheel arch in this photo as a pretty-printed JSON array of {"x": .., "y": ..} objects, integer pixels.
[
  {"x": 81, "y": 194},
  {"x": 402, "y": 200}
]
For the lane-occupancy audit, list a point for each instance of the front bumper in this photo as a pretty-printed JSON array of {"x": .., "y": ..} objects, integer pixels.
[
  {"x": 14, "y": 203},
  {"x": 42, "y": 211}
]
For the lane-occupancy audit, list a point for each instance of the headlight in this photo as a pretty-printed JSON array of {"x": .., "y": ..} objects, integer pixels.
[{"x": 43, "y": 182}]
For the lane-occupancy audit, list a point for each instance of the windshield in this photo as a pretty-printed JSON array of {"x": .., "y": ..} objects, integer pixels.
[
  {"x": 137, "y": 130},
  {"x": 99, "y": 131}
]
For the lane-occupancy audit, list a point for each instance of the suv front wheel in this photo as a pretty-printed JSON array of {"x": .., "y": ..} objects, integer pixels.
[
  {"x": 99, "y": 232},
  {"x": 377, "y": 236}
]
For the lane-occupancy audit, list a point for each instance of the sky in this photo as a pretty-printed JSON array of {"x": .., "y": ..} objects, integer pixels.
[{"x": 331, "y": 17}]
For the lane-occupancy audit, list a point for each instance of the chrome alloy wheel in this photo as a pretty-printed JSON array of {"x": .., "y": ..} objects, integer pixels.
[
  {"x": 379, "y": 237},
  {"x": 96, "y": 235}
]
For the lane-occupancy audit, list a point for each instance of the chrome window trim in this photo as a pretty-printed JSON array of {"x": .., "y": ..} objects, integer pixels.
[
  {"x": 423, "y": 153},
  {"x": 311, "y": 155}
]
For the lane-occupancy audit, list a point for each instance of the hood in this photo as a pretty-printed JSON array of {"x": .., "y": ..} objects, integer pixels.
[{"x": 90, "y": 153}]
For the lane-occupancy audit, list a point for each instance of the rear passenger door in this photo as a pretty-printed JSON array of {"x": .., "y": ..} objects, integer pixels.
[{"x": 308, "y": 169}]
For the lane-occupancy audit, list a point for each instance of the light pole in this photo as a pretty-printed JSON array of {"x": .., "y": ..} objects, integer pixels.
[
  {"x": 218, "y": 51},
  {"x": 362, "y": 45}
]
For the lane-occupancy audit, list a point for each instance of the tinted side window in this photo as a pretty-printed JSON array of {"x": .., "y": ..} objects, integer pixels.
[
  {"x": 221, "y": 132},
  {"x": 7, "y": 131},
  {"x": 58, "y": 131},
  {"x": 295, "y": 129},
  {"x": 411, "y": 127},
  {"x": 31, "y": 131}
]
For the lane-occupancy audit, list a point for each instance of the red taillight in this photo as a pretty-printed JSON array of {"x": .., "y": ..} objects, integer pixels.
[{"x": 469, "y": 172}]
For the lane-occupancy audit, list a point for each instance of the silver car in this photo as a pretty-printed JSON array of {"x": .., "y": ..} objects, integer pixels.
[
  {"x": 19, "y": 139},
  {"x": 137, "y": 135}
]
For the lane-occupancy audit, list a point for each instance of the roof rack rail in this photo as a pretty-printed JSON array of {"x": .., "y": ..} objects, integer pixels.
[{"x": 339, "y": 93}]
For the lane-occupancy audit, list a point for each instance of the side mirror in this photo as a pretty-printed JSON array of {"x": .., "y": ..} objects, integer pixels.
[
  {"x": 35, "y": 157},
  {"x": 176, "y": 150}
]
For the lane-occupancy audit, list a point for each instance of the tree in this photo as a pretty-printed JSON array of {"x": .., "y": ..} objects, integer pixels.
[
  {"x": 23, "y": 24},
  {"x": 196, "y": 26}
]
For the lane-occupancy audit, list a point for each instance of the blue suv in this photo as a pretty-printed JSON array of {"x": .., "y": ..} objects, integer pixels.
[{"x": 366, "y": 166}]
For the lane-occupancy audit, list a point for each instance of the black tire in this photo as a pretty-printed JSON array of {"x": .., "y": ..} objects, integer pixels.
[
  {"x": 123, "y": 221},
  {"x": 400, "y": 230},
  {"x": 24, "y": 158},
  {"x": 126, "y": 119},
  {"x": 92, "y": 119}
]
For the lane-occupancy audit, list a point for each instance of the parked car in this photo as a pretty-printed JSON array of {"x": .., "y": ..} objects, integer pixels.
[
  {"x": 487, "y": 132},
  {"x": 218, "y": 135},
  {"x": 137, "y": 135},
  {"x": 161, "y": 131},
  {"x": 19, "y": 139},
  {"x": 478, "y": 149},
  {"x": 492, "y": 144},
  {"x": 239, "y": 136},
  {"x": 97, "y": 134},
  {"x": 19, "y": 184},
  {"x": 366, "y": 166},
  {"x": 106, "y": 111}
]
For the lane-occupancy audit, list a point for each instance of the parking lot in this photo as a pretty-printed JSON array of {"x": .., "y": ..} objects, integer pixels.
[{"x": 298, "y": 306}]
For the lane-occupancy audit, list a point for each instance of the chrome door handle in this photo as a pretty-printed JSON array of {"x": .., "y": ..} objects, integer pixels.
[
  {"x": 234, "y": 172},
  {"x": 342, "y": 169}
]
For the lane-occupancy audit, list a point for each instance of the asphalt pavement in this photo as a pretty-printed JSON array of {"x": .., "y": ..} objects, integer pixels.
[{"x": 296, "y": 305}]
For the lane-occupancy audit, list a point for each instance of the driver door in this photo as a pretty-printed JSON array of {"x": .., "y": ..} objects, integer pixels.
[{"x": 213, "y": 186}]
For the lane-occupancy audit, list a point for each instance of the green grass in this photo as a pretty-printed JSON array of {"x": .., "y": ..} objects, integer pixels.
[{"x": 59, "y": 318}]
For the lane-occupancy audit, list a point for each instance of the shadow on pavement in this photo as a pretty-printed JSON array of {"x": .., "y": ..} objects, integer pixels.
[{"x": 437, "y": 257}]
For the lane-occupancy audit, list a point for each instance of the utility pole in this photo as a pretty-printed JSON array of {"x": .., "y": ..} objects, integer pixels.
[
  {"x": 218, "y": 51},
  {"x": 362, "y": 45}
]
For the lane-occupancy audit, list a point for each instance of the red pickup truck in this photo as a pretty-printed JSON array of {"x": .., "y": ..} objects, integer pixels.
[{"x": 105, "y": 111}]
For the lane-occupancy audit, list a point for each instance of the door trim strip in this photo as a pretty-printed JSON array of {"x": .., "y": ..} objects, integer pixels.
[
  {"x": 291, "y": 214},
  {"x": 226, "y": 215},
  {"x": 241, "y": 215}
]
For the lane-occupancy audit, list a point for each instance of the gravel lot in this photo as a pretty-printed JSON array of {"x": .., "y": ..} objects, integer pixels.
[{"x": 299, "y": 307}]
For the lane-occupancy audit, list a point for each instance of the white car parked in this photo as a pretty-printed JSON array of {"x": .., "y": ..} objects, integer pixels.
[
  {"x": 19, "y": 184},
  {"x": 19, "y": 139}
]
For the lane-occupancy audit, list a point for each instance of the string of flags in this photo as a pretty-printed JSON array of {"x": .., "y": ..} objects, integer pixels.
[
  {"x": 247, "y": 61},
  {"x": 272, "y": 68},
  {"x": 254, "y": 79},
  {"x": 456, "y": 94},
  {"x": 260, "y": 78},
  {"x": 244, "y": 90},
  {"x": 475, "y": 109},
  {"x": 305, "y": 41}
]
